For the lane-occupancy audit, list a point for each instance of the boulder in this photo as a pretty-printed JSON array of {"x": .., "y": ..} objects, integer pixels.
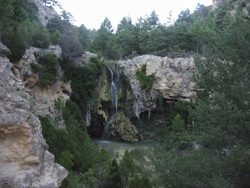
[
  {"x": 84, "y": 59},
  {"x": 121, "y": 129}
]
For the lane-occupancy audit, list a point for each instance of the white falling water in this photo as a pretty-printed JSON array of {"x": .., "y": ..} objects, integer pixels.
[
  {"x": 114, "y": 101},
  {"x": 88, "y": 114},
  {"x": 149, "y": 113},
  {"x": 114, "y": 93},
  {"x": 137, "y": 109}
]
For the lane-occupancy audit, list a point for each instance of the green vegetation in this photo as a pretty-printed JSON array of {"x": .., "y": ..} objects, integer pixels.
[
  {"x": 146, "y": 81},
  {"x": 47, "y": 70},
  {"x": 178, "y": 123},
  {"x": 84, "y": 80}
]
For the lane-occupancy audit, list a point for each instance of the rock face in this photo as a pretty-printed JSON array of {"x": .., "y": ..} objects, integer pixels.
[
  {"x": 121, "y": 129},
  {"x": 174, "y": 80},
  {"x": 45, "y": 13},
  {"x": 84, "y": 59},
  {"x": 24, "y": 158},
  {"x": 4, "y": 51},
  {"x": 44, "y": 97}
]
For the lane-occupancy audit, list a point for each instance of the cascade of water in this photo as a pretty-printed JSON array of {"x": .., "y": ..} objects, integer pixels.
[
  {"x": 88, "y": 113},
  {"x": 149, "y": 113},
  {"x": 137, "y": 109},
  {"x": 114, "y": 93},
  {"x": 106, "y": 128}
]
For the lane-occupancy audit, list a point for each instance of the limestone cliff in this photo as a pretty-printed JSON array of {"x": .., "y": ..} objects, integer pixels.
[
  {"x": 44, "y": 13},
  {"x": 24, "y": 158},
  {"x": 44, "y": 97},
  {"x": 174, "y": 80}
]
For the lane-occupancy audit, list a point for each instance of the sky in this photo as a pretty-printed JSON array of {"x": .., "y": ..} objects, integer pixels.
[{"x": 92, "y": 13}]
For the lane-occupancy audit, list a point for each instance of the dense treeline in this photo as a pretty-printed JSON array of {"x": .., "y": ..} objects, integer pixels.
[{"x": 20, "y": 28}]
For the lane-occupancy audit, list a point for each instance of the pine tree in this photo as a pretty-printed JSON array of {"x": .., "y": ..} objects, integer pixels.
[
  {"x": 114, "y": 175},
  {"x": 128, "y": 167},
  {"x": 223, "y": 114}
]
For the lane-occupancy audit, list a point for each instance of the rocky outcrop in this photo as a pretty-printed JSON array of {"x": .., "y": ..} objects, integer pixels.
[
  {"x": 234, "y": 5},
  {"x": 84, "y": 59},
  {"x": 121, "y": 129},
  {"x": 216, "y": 3},
  {"x": 45, "y": 13},
  {"x": 44, "y": 97},
  {"x": 24, "y": 158},
  {"x": 4, "y": 51},
  {"x": 174, "y": 80}
]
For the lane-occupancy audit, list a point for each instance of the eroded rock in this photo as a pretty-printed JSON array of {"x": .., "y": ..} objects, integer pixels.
[
  {"x": 24, "y": 158},
  {"x": 45, "y": 13},
  {"x": 121, "y": 129},
  {"x": 174, "y": 80}
]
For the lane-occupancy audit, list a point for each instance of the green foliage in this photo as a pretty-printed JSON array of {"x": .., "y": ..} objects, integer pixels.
[
  {"x": 140, "y": 182},
  {"x": 222, "y": 116},
  {"x": 191, "y": 170},
  {"x": 115, "y": 179},
  {"x": 55, "y": 24},
  {"x": 16, "y": 45},
  {"x": 36, "y": 67},
  {"x": 84, "y": 80},
  {"x": 128, "y": 167},
  {"x": 20, "y": 27},
  {"x": 90, "y": 180},
  {"x": 146, "y": 81},
  {"x": 178, "y": 123},
  {"x": 55, "y": 38},
  {"x": 66, "y": 159},
  {"x": 48, "y": 73}
]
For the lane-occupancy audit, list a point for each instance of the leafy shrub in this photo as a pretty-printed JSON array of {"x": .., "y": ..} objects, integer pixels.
[
  {"x": 16, "y": 45},
  {"x": 66, "y": 159},
  {"x": 36, "y": 67},
  {"x": 178, "y": 123},
  {"x": 146, "y": 81},
  {"x": 55, "y": 37},
  {"x": 84, "y": 80},
  {"x": 49, "y": 70}
]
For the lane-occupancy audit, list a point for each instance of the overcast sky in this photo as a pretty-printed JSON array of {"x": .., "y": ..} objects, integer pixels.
[{"x": 91, "y": 13}]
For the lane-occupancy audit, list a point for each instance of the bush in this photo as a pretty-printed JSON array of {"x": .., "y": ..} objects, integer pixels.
[
  {"x": 49, "y": 70},
  {"x": 146, "y": 81},
  {"x": 66, "y": 159},
  {"x": 84, "y": 80},
  {"x": 36, "y": 67},
  {"x": 178, "y": 123}
]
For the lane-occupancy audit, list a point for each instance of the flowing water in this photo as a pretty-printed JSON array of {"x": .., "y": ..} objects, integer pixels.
[
  {"x": 114, "y": 92},
  {"x": 88, "y": 114},
  {"x": 114, "y": 101}
]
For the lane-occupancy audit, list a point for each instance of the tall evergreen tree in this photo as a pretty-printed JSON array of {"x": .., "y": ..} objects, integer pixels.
[{"x": 223, "y": 115}]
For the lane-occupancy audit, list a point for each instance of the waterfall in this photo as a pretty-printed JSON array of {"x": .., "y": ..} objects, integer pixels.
[
  {"x": 149, "y": 113},
  {"x": 137, "y": 109},
  {"x": 114, "y": 91},
  {"x": 88, "y": 114},
  {"x": 106, "y": 128}
]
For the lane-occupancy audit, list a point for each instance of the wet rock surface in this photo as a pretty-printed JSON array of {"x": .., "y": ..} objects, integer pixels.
[
  {"x": 173, "y": 80},
  {"x": 121, "y": 129}
]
